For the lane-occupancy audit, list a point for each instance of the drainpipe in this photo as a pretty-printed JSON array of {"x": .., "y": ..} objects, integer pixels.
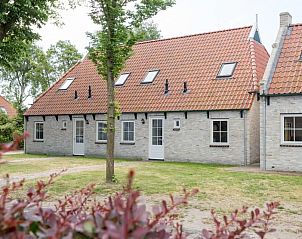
[
  {"x": 25, "y": 129},
  {"x": 244, "y": 139},
  {"x": 264, "y": 141}
]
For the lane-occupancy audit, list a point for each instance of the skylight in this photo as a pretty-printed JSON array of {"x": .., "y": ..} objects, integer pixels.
[
  {"x": 3, "y": 110},
  {"x": 66, "y": 84},
  {"x": 149, "y": 78},
  {"x": 122, "y": 79},
  {"x": 300, "y": 56},
  {"x": 226, "y": 69}
]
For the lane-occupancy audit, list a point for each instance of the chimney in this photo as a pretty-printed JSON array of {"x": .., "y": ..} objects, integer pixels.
[
  {"x": 166, "y": 87},
  {"x": 89, "y": 92},
  {"x": 285, "y": 19}
]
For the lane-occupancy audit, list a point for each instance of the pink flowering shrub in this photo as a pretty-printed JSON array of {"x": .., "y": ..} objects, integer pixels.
[{"x": 123, "y": 215}]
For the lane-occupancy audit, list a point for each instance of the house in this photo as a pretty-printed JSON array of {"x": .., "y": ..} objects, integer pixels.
[
  {"x": 281, "y": 101},
  {"x": 191, "y": 98},
  {"x": 7, "y": 108}
]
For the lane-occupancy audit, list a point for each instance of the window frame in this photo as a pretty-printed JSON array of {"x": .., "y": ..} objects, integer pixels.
[
  {"x": 126, "y": 73},
  {"x": 283, "y": 142},
  {"x": 64, "y": 124},
  {"x": 175, "y": 127},
  {"x": 221, "y": 67},
  {"x": 3, "y": 110},
  {"x": 122, "y": 131},
  {"x": 67, "y": 79},
  {"x": 212, "y": 131},
  {"x": 35, "y": 131},
  {"x": 150, "y": 82},
  {"x": 97, "y": 132}
]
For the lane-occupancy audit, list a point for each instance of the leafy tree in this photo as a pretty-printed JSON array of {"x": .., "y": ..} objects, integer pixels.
[
  {"x": 19, "y": 18},
  {"x": 35, "y": 70},
  {"x": 112, "y": 46},
  {"x": 147, "y": 31},
  {"x": 6, "y": 128},
  {"x": 62, "y": 56}
]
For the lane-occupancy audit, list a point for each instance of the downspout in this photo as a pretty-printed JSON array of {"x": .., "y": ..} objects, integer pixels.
[
  {"x": 264, "y": 140},
  {"x": 244, "y": 139},
  {"x": 25, "y": 129}
]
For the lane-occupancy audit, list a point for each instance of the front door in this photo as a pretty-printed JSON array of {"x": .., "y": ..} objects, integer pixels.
[
  {"x": 78, "y": 137},
  {"x": 156, "y": 139}
]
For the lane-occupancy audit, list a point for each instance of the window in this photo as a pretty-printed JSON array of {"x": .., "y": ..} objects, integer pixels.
[
  {"x": 64, "y": 124},
  {"x": 128, "y": 131},
  {"x": 39, "y": 131},
  {"x": 292, "y": 129},
  {"x": 220, "y": 131},
  {"x": 226, "y": 70},
  {"x": 149, "y": 78},
  {"x": 176, "y": 124},
  {"x": 3, "y": 110},
  {"x": 122, "y": 79},
  {"x": 101, "y": 131},
  {"x": 300, "y": 59},
  {"x": 66, "y": 84}
]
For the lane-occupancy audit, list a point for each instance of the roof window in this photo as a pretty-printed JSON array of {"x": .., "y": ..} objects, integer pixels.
[
  {"x": 3, "y": 110},
  {"x": 122, "y": 79},
  {"x": 227, "y": 69},
  {"x": 300, "y": 59},
  {"x": 66, "y": 84},
  {"x": 149, "y": 78}
]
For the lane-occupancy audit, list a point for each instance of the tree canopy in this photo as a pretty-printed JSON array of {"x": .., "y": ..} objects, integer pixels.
[{"x": 112, "y": 45}]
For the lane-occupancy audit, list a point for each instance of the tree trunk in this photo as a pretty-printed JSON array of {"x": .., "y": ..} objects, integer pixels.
[{"x": 110, "y": 123}]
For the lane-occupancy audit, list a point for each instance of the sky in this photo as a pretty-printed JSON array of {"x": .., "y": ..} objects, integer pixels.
[{"x": 184, "y": 18}]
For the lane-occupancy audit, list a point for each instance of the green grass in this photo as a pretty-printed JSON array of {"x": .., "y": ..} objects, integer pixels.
[{"x": 218, "y": 185}]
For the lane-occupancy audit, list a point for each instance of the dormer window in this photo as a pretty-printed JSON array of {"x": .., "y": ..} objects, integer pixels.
[
  {"x": 149, "y": 78},
  {"x": 122, "y": 79},
  {"x": 227, "y": 70},
  {"x": 66, "y": 84}
]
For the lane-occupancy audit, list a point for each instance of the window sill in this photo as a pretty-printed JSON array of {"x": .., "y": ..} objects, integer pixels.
[
  {"x": 290, "y": 145},
  {"x": 219, "y": 145},
  {"x": 127, "y": 143},
  {"x": 63, "y": 129},
  {"x": 36, "y": 140},
  {"x": 176, "y": 129},
  {"x": 101, "y": 142}
]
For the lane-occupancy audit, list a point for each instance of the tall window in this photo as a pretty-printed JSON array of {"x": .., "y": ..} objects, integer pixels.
[
  {"x": 292, "y": 129},
  {"x": 220, "y": 131},
  {"x": 101, "y": 131},
  {"x": 39, "y": 131},
  {"x": 128, "y": 131}
]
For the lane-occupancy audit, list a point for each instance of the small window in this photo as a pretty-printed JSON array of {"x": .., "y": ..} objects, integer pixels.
[
  {"x": 128, "y": 131},
  {"x": 176, "y": 124},
  {"x": 122, "y": 79},
  {"x": 149, "y": 78},
  {"x": 3, "y": 110},
  {"x": 39, "y": 131},
  {"x": 66, "y": 84},
  {"x": 292, "y": 129},
  {"x": 101, "y": 131},
  {"x": 226, "y": 69},
  {"x": 64, "y": 124},
  {"x": 220, "y": 132}
]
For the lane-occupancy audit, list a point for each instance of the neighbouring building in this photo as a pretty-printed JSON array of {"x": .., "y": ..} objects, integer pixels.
[
  {"x": 191, "y": 98},
  {"x": 281, "y": 101},
  {"x": 7, "y": 107}
]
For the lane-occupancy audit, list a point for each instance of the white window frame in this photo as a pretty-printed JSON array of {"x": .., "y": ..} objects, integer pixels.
[
  {"x": 64, "y": 124},
  {"x": 148, "y": 81},
  {"x": 122, "y": 132},
  {"x": 119, "y": 81},
  {"x": 282, "y": 130},
  {"x": 219, "y": 76},
  {"x": 175, "y": 125},
  {"x": 97, "y": 131},
  {"x": 3, "y": 110},
  {"x": 228, "y": 132},
  {"x": 67, "y": 83},
  {"x": 35, "y": 131}
]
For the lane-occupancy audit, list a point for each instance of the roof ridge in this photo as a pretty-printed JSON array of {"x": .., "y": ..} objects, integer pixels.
[
  {"x": 193, "y": 35},
  {"x": 295, "y": 25},
  {"x": 5, "y": 99}
]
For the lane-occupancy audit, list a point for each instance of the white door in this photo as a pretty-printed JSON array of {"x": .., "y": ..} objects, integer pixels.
[
  {"x": 156, "y": 139},
  {"x": 78, "y": 137}
]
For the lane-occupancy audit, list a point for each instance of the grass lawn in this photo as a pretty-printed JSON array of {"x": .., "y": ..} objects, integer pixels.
[{"x": 219, "y": 186}]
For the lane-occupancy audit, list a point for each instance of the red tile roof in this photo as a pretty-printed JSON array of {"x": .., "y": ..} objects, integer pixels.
[
  {"x": 194, "y": 59},
  {"x": 287, "y": 78},
  {"x": 11, "y": 111}
]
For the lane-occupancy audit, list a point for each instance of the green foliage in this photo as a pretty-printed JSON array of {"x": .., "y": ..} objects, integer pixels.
[
  {"x": 35, "y": 70},
  {"x": 147, "y": 31},
  {"x": 6, "y": 128}
]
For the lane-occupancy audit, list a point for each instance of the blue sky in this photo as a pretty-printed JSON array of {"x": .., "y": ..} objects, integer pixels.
[{"x": 187, "y": 17}]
